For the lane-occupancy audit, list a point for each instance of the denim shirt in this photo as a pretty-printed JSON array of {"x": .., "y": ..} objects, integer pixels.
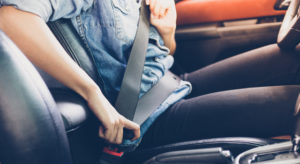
[
  {"x": 114, "y": 22},
  {"x": 108, "y": 29}
]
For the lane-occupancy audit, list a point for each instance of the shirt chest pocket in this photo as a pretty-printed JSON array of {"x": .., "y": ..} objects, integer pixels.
[
  {"x": 121, "y": 5},
  {"x": 126, "y": 15}
]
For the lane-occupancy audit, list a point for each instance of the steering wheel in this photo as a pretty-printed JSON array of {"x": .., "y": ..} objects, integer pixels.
[{"x": 289, "y": 33}]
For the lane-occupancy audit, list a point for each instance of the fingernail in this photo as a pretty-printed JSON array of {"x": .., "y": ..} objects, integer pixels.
[{"x": 153, "y": 16}]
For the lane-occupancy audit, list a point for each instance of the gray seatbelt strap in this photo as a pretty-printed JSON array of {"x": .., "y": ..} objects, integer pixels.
[
  {"x": 157, "y": 95},
  {"x": 130, "y": 88},
  {"x": 128, "y": 103}
]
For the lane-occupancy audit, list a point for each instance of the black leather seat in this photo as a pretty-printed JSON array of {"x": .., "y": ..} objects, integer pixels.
[
  {"x": 80, "y": 125},
  {"x": 72, "y": 107},
  {"x": 31, "y": 129}
]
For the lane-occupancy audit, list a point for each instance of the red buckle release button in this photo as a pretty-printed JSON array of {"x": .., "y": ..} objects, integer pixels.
[{"x": 113, "y": 152}]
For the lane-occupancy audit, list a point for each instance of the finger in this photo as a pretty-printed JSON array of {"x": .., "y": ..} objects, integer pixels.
[
  {"x": 137, "y": 134},
  {"x": 134, "y": 127},
  {"x": 114, "y": 133},
  {"x": 101, "y": 132},
  {"x": 105, "y": 134},
  {"x": 119, "y": 138},
  {"x": 152, "y": 5},
  {"x": 154, "y": 21},
  {"x": 147, "y": 2},
  {"x": 108, "y": 134},
  {"x": 156, "y": 9},
  {"x": 162, "y": 12}
]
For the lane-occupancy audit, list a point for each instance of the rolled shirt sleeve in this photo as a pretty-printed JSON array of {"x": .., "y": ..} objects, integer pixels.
[{"x": 50, "y": 10}]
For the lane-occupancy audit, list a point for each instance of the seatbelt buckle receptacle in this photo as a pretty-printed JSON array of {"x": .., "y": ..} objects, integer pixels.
[{"x": 110, "y": 156}]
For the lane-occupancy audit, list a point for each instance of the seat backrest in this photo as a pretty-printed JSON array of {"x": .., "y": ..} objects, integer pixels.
[
  {"x": 74, "y": 46},
  {"x": 31, "y": 129}
]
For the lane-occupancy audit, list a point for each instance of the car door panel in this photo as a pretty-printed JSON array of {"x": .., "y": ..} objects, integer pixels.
[
  {"x": 212, "y": 30},
  {"x": 203, "y": 11}
]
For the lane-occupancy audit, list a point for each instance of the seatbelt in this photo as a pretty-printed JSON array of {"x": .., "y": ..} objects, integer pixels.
[
  {"x": 130, "y": 89},
  {"x": 128, "y": 103},
  {"x": 128, "y": 97},
  {"x": 153, "y": 98}
]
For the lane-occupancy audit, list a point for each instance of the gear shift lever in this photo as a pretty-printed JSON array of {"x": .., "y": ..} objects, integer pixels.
[{"x": 296, "y": 137}]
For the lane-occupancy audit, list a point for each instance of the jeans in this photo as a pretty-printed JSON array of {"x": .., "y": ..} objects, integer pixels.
[{"x": 252, "y": 94}]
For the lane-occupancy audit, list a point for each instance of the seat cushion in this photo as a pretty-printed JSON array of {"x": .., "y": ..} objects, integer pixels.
[
  {"x": 235, "y": 144},
  {"x": 72, "y": 107}
]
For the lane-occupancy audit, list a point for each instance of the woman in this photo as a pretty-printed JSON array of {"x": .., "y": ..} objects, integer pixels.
[{"x": 108, "y": 28}]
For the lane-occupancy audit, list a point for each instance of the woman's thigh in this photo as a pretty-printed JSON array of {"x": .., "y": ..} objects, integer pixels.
[
  {"x": 257, "y": 112},
  {"x": 266, "y": 66}
]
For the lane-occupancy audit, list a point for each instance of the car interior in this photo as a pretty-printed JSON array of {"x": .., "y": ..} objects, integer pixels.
[{"x": 208, "y": 31}]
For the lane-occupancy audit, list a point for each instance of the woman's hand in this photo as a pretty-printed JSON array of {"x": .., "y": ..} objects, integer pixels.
[
  {"x": 112, "y": 122},
  {"x": 163, "y": 16}
]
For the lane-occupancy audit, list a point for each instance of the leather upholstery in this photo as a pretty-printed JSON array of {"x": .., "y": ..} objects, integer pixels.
[
  {"x": 30, "y": 125},
  {"x": 72, "y": 107},
  {"x": 207, "y": 156},
  {"x": 235, "y": 144}
]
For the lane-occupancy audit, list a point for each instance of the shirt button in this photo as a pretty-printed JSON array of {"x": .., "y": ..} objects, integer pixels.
[{"x": 157, "y": 59}]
